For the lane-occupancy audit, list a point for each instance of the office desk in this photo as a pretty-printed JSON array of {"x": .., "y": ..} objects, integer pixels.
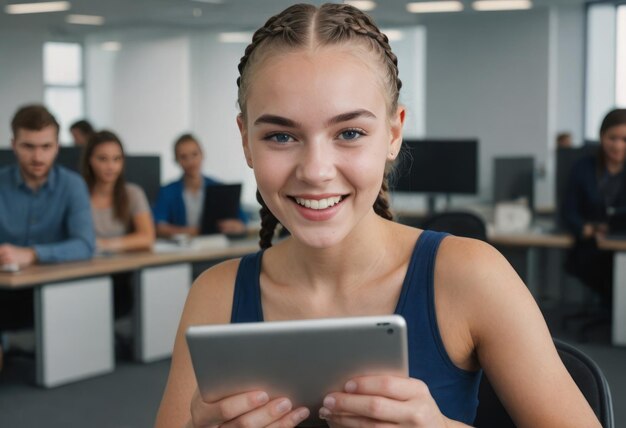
[
  {"x": 74, "y": 336},
  {"x": 564, "y": 241}
]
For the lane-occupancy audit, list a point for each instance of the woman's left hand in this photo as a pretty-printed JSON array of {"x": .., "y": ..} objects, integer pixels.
[{"x": 382, "y": 401}]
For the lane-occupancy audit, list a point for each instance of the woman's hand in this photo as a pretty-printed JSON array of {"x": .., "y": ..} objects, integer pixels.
[
  {"x": 231, "y": 225},
  {"x": 382, "y": 401},
  {"x": 249, "y": 409}
]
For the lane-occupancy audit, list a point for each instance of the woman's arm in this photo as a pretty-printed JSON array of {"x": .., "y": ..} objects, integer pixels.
[
  {"x": 141, "y": 239},
  {"x": 209, "y": 302},
  {"x": 510, "y": 337},
  {"x": 167, "y": 230}
]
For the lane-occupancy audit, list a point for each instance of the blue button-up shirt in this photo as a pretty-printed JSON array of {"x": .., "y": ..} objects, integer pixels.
[{"x": 55, "y": 220}]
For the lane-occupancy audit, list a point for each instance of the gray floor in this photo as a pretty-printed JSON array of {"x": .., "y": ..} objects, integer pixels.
[{"x": 127, "y": 398}]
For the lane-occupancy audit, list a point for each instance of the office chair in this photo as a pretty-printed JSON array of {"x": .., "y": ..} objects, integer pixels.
[
  {"x": 459, "y": 223},
  {"x": 584, "y": 371}
]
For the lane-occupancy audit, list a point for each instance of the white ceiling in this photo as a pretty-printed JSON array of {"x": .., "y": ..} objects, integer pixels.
[{"x": 231, "y": 15}]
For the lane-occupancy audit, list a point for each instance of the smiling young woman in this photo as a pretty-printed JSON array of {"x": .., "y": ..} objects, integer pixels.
[{"x": 320, "y": 126}]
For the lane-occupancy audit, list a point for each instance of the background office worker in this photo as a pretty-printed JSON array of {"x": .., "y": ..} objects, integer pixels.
[
  {"x": 45, "y": 212},
  {"x": 81, "y": 132},
  {"x": 596, "y": 188},
  {"x": 121, "y": 213},
  {"x": 178, "y": 208}
]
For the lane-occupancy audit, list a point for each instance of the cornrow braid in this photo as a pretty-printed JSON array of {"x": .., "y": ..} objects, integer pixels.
[
  {"x": 289, "y": 28},
  {"x": 381, "y": 205},
  {"x": 268, "y": 223},
  {"x": 359, "y": 23}
]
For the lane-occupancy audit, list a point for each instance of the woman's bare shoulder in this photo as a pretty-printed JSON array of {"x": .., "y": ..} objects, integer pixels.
[
  {"x": 471, "y": 263},
  {"x": 477, "y": 282},
  {"x": 211, "y": 295}
]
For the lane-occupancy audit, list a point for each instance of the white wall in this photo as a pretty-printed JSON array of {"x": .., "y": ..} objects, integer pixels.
[
  {"x": 214, "y": 110},
  {"x": 570, "y": 71},
  {"x": 21, "y": 74},
  {"x": 141, "y": 92},
  {"x": 411, "y": 53},
  {"x": 600, "y": 88}
]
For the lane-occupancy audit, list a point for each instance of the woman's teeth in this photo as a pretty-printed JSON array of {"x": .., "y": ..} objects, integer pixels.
[{"x": 318, "y": 204}]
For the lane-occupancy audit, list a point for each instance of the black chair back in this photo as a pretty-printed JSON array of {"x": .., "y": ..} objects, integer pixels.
[
  {"x": 584, "y": 371},
  {"x": 459, "y": 223}
]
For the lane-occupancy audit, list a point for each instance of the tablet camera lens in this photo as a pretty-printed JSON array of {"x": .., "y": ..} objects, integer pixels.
[{"x": 390, "y": 331}]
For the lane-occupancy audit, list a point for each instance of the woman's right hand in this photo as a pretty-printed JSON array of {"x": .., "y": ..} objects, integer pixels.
[{"x": 249, "y": 409}]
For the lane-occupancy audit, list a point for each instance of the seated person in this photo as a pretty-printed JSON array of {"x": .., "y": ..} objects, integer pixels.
[
  {"x": 178, "y": 208},
  {"x": 121, "y": 213},
  {"x": 597, "y": 185},
  {"x": 81, "y": 132},
  {"x": 46, "y": 216}
]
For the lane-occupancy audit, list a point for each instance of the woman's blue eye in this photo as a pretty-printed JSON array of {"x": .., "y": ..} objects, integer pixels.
[
  {"x": 280, "y": 138},
  {"x": 350, "y": 134}
]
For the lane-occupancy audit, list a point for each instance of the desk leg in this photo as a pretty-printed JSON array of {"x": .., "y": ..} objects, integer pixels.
[
  {"x": 160, "y": 297},
  {"x": 73, "y": 330},
  {"x": 533, "y": 269},
  {"x": 619, "y": 299}
]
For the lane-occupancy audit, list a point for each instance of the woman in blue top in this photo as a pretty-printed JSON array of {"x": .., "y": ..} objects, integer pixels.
[
  {"x": 178, "y": 208},
  {"x": 597, "y": 188},
  {"x": 320, "y": 125}
]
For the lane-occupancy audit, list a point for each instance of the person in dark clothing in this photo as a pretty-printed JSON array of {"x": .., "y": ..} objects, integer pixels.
[{"x": 596, "y": 189}]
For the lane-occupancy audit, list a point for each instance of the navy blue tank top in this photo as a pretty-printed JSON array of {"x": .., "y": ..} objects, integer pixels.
[{"x": 455, "y": 390}]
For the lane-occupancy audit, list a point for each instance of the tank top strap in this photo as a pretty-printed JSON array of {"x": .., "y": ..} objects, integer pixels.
[
  {"x": 421, "y": 270},
  {"x": 247, "y": 294},
  {"x": 455, "y": 390}
]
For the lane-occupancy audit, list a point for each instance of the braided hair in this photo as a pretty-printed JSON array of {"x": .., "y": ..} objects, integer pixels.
[{"x": 303, "y": 25}]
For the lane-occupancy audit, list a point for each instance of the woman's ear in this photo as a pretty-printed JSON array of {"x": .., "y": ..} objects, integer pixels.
[
  {"x": 397, "y": 122},
  {"x": 241, "y": 124}
]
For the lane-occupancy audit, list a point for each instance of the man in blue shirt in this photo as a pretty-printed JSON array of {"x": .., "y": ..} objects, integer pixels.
[{"x": 45, "y": 212}]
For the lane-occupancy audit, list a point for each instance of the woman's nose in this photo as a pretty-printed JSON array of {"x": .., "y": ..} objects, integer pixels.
[{"x": 316, "y": 164}]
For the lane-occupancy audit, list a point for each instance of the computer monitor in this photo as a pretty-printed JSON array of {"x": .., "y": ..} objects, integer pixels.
[
  {"x": 514, "y": 178},
  {"x": 145, "y": 171},
  {"x": 69, "y": 157},
  {"x": 221, "y": 201},
  {"x": 566, "y": 158},
  {"x": 447, "y": 166},
  {"x": 6, "y": 157}
]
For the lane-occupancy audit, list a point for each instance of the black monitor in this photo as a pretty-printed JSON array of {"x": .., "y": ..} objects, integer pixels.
[
  {"x": 448, "y": 166},
  {"x": 68, "y": 156},
  {"x": 145, "y": 171},
  {"x": 514, "y": 178},
  {"x": 566, "y": 158},
  {"x": 221, "y": 201},
  {"x": 6, "y": 157}
]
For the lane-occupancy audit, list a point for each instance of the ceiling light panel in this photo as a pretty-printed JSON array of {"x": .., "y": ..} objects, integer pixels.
[
  {"x": 434, "y": 6},
  {"x": 84, "y": 19},
  {"x": 235, "y": 37},
  {"x": 364, "y": 5},
  {"x": 485, "y": 5},
  {"x": 44, "y": 7}
]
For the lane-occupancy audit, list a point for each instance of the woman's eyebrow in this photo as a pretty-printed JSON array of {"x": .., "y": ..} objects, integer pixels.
[
  {"x": 344, "y": 117},
  {"x": 276, "y": 120},
  {"x": 272, "y": 119}
]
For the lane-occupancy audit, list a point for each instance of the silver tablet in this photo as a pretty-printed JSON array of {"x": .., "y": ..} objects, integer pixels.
[{"x": 302, "y": 360}]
